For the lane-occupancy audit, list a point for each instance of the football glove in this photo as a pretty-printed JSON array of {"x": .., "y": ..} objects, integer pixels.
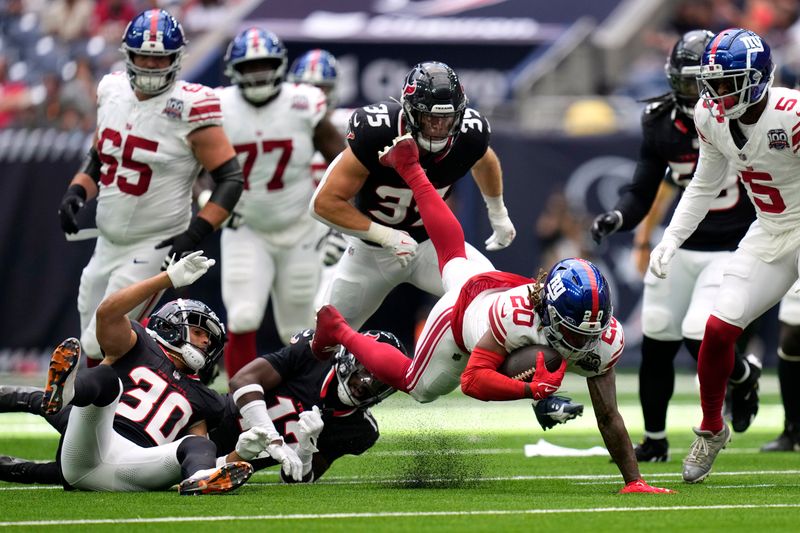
[
  {"x": 641, "y": 486},
  {"x": 71, "y": 203},
  {"x": 189, "y": 269},
  {"x": 252, "y": 442},
  {"x": 503, "y": 230},
  {"x": 555, "y": 410},
  {"x": 605, "y": 224},
  {"x": 290, "y": 463},
  {"x": 335, "y": 245},
  {"x": 544, "y": 382},
  {"x": 183, "y": 243},
  {"x": 311, "y": 425},
  {"x": 661, "y": 256}
]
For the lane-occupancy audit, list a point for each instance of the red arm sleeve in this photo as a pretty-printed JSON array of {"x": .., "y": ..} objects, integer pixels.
[{"x": 481, "y": 379}]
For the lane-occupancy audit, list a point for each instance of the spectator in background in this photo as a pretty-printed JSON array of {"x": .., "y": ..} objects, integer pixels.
[
  {"x": 203, "y": 15},
  {"x": 69, "y": 20},
  {"x": 111, "y": 17},
  {"x": 78, "y": 96},
  {"x": 560, "y": 229},
  {"x": 14, "y": 97}
]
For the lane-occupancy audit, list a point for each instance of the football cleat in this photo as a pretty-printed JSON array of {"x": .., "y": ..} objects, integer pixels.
[
  {"x": 705, "y": 448},
  {"x": 744, "y": 397},
  {"x": 652, "y": 451},
  {"x": 325, "y": 343},
  {"x": 228, "y": 477},
  {"x": 555, "y": 410},
  {"x": 60, "y": 387},
  {"x": 19, "y": 399},
  {"x": 788, "y": 441}
]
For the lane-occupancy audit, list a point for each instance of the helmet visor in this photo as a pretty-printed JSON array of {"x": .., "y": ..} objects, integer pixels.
[
  {"x": 437, "y": 126},
  {"x": 365, "y": 388}
]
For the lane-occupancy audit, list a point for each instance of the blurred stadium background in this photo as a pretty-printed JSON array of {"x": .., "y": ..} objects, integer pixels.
[{"x": 559, "y": 81}]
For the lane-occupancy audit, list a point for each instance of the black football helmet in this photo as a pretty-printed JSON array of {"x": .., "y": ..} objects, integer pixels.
[
  {"x": 357, "y": 386},
  {"x": 683, "y": 66},
  {"x": 433, "y": 105},
  {"x": 170, "y": 324}
]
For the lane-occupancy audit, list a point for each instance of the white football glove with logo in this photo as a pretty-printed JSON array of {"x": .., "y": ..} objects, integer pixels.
[
  {"x": 504, "y": 231},
  {"x": 189, "y": 269},
  {"x": 252, "y": 443}
]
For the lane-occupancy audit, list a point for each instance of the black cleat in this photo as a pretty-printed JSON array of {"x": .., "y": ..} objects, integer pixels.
[
  {"x": 18, "y": 399},
  {"x": 652, "y": 451},
  {"x": 788, "y": 441},
  {"x": 744, "y": 397}
]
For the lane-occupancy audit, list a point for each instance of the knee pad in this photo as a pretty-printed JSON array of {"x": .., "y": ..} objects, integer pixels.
[
  {"x": 245, "y": 317},
  {"x": 656, "y": 323}
]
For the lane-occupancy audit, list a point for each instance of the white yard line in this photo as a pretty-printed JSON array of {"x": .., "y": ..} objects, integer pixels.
[{"x": 340, "y": 516}]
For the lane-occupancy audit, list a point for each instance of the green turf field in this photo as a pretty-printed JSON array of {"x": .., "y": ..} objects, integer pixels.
[{"x": 454, "y": 465}]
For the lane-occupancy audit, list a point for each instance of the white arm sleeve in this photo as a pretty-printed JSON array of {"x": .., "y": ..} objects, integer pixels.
[{"x": 707, "y": 182}]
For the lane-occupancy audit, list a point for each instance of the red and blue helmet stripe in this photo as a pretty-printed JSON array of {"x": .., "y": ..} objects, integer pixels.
[{"x": 316, "y": 67}]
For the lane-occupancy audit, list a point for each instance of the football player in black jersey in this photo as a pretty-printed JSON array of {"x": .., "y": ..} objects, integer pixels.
[
  {"x": 154, "y": 436},
  {"x": 388, "y": 244},
  {"x": 322, "y": 405},
  {"x": 675, "y": 309},
  {"x": 294, "y": 382}
]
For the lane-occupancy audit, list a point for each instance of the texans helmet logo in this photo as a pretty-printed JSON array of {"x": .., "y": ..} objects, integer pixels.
[{"x": 410, "y": 88}]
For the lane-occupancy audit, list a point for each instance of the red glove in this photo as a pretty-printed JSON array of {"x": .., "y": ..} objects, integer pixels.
[
  {"x": 544, "y": 382},
  {"x": 640, "y": 485},
  {"x": 402, "y": 155}
]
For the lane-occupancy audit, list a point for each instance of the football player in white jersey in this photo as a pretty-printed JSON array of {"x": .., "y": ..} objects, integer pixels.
[
  {"x": 154, "y": 133},
  {"x": 486, "y": 314},
  {"x": 748, "y": 126},
  {"x": 276, "y": 249},
  {"x": 318, "y": 67}
]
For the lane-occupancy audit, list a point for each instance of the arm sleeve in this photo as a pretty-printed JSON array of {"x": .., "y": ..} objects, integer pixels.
[
  {"x": 638, "y": 196},
  {"x": 481, "y": 379},
  {"x": 705, "y": 185}
]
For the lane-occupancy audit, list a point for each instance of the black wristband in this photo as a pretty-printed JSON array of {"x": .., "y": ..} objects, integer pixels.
[
  {"x": 76, "y": 190},
  {"x": 229, "y": 182},
  {"x": 199, "y": 229}
]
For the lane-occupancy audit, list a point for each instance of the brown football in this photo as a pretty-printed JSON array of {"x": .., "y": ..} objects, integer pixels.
[{"x": 521, "y": 363}]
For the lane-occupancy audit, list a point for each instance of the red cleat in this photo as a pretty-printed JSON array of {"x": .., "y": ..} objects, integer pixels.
[{"x": 330, "y": 325}]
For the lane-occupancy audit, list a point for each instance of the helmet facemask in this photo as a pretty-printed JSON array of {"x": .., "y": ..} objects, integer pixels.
[
  {"x": 259, "y": 79},
  {"x": 357, "y": 387},
  {"x": 572, "y": 340},
  {"x": 685, "y": 88},
  {"x": 728, "y": 93},
  {"x": 435, "y": 130},
  {"x": 152, "y": 81},
  {"x": 172, "y": 326}
]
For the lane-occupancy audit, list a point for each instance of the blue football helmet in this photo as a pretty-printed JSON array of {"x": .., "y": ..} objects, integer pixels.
[
  {"x": 256, "y": 61},
  {"x": 153, "y": 33},
  {"x": 736, "y": 72},
  {"x": 576, "y": 307},
  {"x": 170, "y": 326},
  {"x": 316, "y": 67},
  {"x": 357, "y": 386}
]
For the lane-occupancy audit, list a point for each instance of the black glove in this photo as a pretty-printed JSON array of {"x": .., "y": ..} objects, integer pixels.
[
  {"x": 555, "y": 410},
  {"x": 605, "y": 224},
  {"x": 71, "y": 203},
  {"x": 183, "y": 243}
]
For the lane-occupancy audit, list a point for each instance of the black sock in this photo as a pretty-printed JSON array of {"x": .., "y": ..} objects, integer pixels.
[
  {"x": 789, "y": 377},
  {"x": 196, "y": 453},
  {"x": 98, "y": 386},
  {"x": 656, "y": 381}
]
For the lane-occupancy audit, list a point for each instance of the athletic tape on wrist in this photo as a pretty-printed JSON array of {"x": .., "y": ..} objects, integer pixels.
[{"x": 241, "y": 391}]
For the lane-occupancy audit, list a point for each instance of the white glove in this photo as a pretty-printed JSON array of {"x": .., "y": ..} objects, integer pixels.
[
  {"x": 661, "y": 256},
  {"x": 287, "y": 457},
  {"x": 402, "y": 245},
  {"x": 252, "y": 442},
  {"x": 311, "y": 426},
  {"x": 335, "y": 245},
  {"x": 189, "y": 269},
  {"x": 503, "y": 228}
]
